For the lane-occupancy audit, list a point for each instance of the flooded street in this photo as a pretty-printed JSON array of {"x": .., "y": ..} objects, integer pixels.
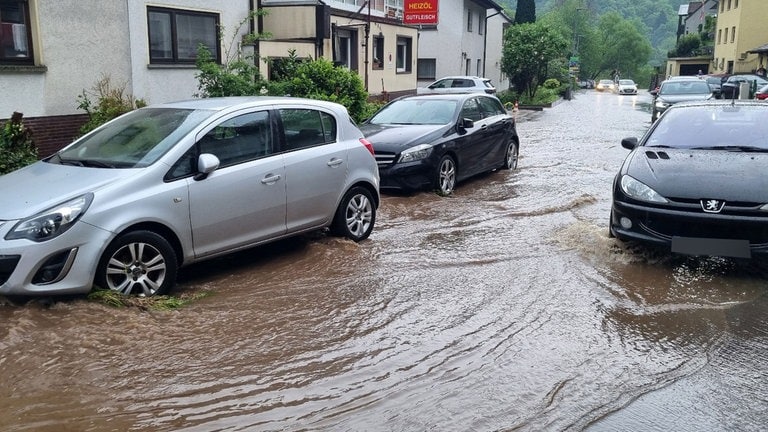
[{"x": 503, "y": 307}]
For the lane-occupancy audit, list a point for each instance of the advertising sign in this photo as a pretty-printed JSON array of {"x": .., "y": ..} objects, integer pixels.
[{"x": 420, "y": 12}]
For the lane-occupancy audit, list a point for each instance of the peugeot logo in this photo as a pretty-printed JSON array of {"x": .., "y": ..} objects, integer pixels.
[{"x": 712, "y": 205}]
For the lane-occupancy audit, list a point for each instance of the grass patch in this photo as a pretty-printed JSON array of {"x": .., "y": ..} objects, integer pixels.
[{"x": 160, "y": 303}]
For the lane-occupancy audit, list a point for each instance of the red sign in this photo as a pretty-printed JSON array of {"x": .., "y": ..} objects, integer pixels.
[{"x": 420, "y": 11}]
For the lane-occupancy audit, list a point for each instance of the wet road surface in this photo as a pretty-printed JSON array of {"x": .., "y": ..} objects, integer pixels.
[{"x": 502, "y": 307}]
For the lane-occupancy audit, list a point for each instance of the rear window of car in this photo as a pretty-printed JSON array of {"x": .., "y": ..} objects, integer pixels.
[
  {"x": 681, "y": 87},
  {"x": 307, "y": 127}
]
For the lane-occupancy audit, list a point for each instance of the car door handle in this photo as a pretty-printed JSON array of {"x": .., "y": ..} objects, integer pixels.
[
  {"x": 335, "y": 162},
  {"x": 270, "y": 179}
]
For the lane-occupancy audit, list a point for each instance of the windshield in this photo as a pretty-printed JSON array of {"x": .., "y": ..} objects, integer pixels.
[
  {"x": 626, "y": 82},
  {"x": 682, "y": 87},
  {"x": 134, "y": 140},
  {"x": 417, "y": 111},
  {"x": 722, "y": 126}
]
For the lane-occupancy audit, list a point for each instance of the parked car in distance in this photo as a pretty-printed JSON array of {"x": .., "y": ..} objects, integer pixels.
[
  {"x": 459, "y": 84},
  {"x": 673, "y": 91},
  {"x": 436, "y": 141},
  {"x": 626, "y": 87},
  {"x": 715, "y": 82},
  {"x": 731, "y": 86},
  {"x": 695, "y": 182},
  {"x": 762, "y": 93},
  {"x": 604, "y": 84},
  {"x": 168, "y": 185}
]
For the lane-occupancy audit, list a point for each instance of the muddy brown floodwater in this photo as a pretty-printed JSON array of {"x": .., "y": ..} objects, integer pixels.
[{"x": 502, "y": 307}]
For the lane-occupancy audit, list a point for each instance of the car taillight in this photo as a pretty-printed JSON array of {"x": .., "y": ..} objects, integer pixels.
[
  {"x": 367, "y": 145},
  {"x": 490, "y": 91}
]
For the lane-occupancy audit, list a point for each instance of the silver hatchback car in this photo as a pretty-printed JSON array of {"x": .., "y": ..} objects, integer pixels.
[{"x": 127, "y": 205}]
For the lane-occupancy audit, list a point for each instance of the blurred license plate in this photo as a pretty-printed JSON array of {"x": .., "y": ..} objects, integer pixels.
[{"x": 711, "y": 247}]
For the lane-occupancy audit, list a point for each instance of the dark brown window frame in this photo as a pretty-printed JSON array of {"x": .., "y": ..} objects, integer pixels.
[
  {"x": 174, "y": 36},
  {"x": 29, "y": 59}
]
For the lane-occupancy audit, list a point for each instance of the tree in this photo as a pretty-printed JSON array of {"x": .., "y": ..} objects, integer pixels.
[
  {"x": 526, "y": 12},
  {"x": 622, "y": 45},
  {"x": 238, "y": 74},
  {"x": 527, "y": 50},
  {"x": 687, "y": 46}
]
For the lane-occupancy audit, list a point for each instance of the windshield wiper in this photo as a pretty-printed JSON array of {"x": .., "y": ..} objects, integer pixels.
[
  {"x": 93, "y": 163},
  {"x": 741, "y": 148},
  {"x": 83, "y": 162}
]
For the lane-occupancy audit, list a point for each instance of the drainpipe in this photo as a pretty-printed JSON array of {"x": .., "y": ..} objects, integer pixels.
[
  {"x": 255, "y": 28},
  {"x": 485, "y": 39}
]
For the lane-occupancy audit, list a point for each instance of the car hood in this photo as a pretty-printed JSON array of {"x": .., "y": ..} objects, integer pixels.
[
  {"x": 698, "y": 174},
  {"x": 675, "y": 98},
  {"x": 42, "y": 185},
  {"x": 396, "y": 138}
]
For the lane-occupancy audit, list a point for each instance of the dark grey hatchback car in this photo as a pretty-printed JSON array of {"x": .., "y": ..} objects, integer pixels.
[{"x": 436, "y": 141}]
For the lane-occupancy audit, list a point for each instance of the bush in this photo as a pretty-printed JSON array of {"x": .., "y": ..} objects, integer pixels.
[
  {"x": 236, "y": 78},
  {"x": 110, "y": 103},
  {"x": 320, "y": 79},
  {"x": 16, "y": 147},
  {"x": 551, "y": 83}
]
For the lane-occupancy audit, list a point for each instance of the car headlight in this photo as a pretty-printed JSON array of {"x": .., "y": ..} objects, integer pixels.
[
  {"x": 660, "y": 103},
  {"x": 52, "y": 222},
  {"x": 638, "y": 190},
  {"x": 416, "y": 153}
]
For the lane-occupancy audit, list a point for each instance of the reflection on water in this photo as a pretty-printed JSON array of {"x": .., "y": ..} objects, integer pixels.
[{"x": 505, "y": 306}]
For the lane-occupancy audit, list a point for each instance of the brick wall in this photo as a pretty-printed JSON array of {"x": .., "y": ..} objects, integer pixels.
[{"x": 52, "y": 133}]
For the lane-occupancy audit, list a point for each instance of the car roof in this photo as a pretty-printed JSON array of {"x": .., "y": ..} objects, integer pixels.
[
  {"x": 449, "y": 96},
  {"x": 719, "y": 102},
  {"x": 227, "y": 102}
]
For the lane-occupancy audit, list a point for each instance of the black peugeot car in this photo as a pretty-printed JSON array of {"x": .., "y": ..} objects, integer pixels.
[
  {"x": 696, "y": 182},
  {"x": 435, "y": 141}
]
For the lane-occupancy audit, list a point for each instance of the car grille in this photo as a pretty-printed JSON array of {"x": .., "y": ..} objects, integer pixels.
[
  {"x": 385, "y": 159},
  {"x": 737, "y": 221}
]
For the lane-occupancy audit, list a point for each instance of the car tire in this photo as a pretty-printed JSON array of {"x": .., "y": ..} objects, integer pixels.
[
  {"x": 355, "y": 215},
  {"x": 445, "y": 176},
  {"x": 140, "y": 263},
  {"x": 511, "y": 155}
]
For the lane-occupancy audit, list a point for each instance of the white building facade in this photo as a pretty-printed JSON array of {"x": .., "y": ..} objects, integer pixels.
[{"x": 466, "y": 41}]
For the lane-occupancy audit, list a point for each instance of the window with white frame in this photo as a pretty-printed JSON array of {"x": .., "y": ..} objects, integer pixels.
[
  {"x": 175, "y": 34},
  {"x": 480, "y": 24},
  {"x": 344, "y": 53},
  {"x": 15, "y": 32},
  {"x": 733, "y": 33},
  {"x": 404, "y": 54}
]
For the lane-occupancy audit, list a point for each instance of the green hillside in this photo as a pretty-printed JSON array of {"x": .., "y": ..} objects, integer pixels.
[{"x": 658, "y": 17}]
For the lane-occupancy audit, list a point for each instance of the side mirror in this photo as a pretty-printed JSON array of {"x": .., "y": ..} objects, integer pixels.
[
  {"x": 466, "y": 123},
  {"x": 629, "y": 143},
  {"x": 206, "y": 164}
]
